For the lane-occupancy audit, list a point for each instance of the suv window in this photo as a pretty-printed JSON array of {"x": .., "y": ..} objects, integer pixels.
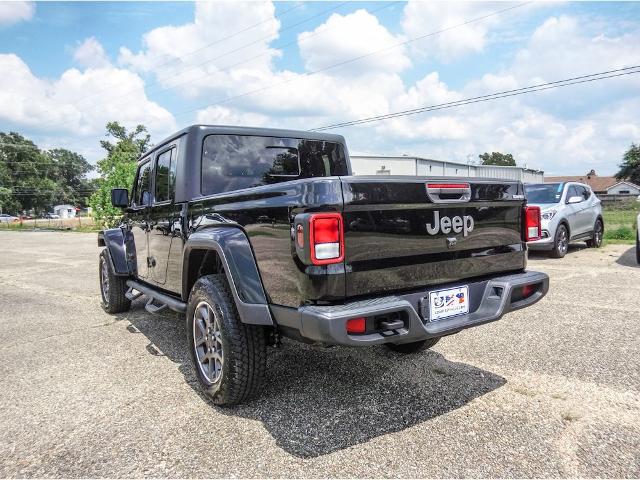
[
  {"x": 165, "y": 175},
  {"x": 573, "y": 192},
  {"x": 233, "y": 162},
  {"x": 584, "y": 191},
  {"x": 142, "y": 192}
]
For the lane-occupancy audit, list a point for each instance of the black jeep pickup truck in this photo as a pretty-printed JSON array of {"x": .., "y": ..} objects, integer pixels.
[{"x": 260, "y": 233}]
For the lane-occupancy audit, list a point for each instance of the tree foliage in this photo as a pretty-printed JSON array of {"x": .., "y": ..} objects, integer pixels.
[
  {"x": 117, "y": 169},
  {"x": 630, "y": 166},
  {"x": 497, "y": 158},
  {"x": 35, "y": 179}
]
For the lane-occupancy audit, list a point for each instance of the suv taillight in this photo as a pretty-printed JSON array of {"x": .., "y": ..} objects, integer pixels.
[
  {"x": 532, "y": 224},
  {"x": 326, "y": 238}
]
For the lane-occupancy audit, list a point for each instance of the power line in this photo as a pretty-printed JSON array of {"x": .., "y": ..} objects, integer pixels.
[
  {"x": 354, "y": 59},
  {"x": 493, "y": 96}
]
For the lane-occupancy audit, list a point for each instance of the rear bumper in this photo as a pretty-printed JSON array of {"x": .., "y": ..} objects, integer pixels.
[{"x": 489, "y": 298}]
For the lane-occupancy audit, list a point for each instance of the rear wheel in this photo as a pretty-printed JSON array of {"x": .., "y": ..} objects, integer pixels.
[
  {"x": 112, "y": 287},
  {"x": 596, "y": 239},
  {"x": 561, "y": 242},
  {"x": 229, "y": 356},
  {"x": 413, "y": 347}
]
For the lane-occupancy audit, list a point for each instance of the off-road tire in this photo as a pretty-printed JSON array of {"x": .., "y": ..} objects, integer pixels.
[
  {"x": 558, "y": 250},
  {"x": 413, "y": 347},
  {"x": 115, "y": 300},
  {"x": 598, "y": 235},
  {"x": 243, "y": 346}
]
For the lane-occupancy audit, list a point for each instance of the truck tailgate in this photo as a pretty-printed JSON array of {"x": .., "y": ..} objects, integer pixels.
[{"x": 408, "y": 232}]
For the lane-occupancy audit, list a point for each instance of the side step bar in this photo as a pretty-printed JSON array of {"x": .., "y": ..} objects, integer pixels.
[{"x": 157, "y": 301}]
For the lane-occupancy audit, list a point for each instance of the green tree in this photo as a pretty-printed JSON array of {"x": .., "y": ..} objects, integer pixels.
[
  {"x": 33, "y": 179},
  {"x": 497, "y": 158},
  {"x": 117, "y": 169},
  {"x": 630, "y": 166}
]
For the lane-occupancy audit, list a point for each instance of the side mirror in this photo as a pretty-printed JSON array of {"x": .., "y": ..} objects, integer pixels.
[
  {"x": 575, "y": 199},
  {"x": 120, "y": 197}
]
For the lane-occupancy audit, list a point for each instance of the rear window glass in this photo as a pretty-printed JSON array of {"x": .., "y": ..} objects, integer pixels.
[
  {"x": 234, "y": 162},
  {"x": 544, "y": 192}
]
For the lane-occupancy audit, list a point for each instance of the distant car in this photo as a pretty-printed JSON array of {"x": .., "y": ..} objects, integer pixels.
[
  {"x": 570, "y": 212},
  {"x": 638, "y": 239},
  {"x": 6, "y": 218},
  {"x": 51, "y": 215}
]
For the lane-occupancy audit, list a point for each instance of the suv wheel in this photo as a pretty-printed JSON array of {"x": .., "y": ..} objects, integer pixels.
[
  {"x": 596, "y": 239},
  {"x": 561, "y": 242},
  {"x": 229, "y": 356},
  {"x": 413, "y": 347},
  {"x": 112, "y": 287}
]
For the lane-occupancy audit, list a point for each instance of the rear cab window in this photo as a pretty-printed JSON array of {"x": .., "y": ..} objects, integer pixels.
[{"x": 234, "y": 162}]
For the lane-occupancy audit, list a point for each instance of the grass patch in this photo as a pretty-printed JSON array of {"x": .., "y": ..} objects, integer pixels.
[
  {"x": 620, "y": 233},
  {"x": 622, "y": 215}
]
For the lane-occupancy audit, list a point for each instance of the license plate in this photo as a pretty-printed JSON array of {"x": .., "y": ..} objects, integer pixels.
[{"x": 447, "y": 303}]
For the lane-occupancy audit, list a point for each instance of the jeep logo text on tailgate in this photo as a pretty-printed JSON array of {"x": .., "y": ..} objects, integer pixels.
[{"x": 456, "y": 224}]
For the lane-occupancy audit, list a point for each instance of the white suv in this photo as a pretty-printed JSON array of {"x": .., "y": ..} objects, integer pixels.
[{"x": 570, "y": 212}]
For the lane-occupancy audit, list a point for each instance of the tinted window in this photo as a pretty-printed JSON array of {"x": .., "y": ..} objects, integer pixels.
[
  {"x": 544, "y": 192},
  {"x": 165, "y": 175},
  {"x": 572, "y": 192},
  {"x": 142, "y": 191},
  {"x": 233, "y": 162},
  {"x": 585, "y": 192}
]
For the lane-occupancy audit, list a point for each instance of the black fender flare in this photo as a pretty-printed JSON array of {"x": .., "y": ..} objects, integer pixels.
[
  {"x": 113, "y": 239},
  {"x": 235, "y": 252}
]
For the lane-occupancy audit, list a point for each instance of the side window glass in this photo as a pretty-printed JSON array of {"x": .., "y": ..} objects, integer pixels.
[
  {"x": 586, "y": 193},
  {"x": 143, "y": 194},
  {"x": 165, "y": 175},
  {"x": 572, "y": 192}
]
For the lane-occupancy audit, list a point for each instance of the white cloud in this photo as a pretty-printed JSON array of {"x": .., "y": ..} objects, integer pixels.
[
  {"x": 224, "y": 116},
  {"x": 422, "y": 17},
  {"x": 354, "y": 35},
  {"x": 14, "y": 12},
  {"x": 91, "y": 54},
  {"x": 78, "y": 102}
]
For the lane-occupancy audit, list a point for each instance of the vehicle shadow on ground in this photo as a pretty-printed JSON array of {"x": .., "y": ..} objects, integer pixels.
[
  {"x": 628, "y": 258},
  {"x": 320, "y": 400},
  {"x": 543, "y": 255}
]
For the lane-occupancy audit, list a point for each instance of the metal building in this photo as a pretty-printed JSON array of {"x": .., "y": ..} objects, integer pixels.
[{"x": 387, "y": 165}]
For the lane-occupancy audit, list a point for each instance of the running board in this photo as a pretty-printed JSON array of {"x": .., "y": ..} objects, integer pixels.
[
  {"x": 157, "y": 301},
  {"x": 132, "y": 296}
]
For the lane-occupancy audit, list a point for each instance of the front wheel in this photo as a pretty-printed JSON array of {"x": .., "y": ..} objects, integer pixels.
[
  {"x": 229, "y": 356},
  {"x": 596, "y": 238},
  {"x": 561, "y": 242},
  {"x": 413, "y": 347},
  {"x": 112, "y": 287}
]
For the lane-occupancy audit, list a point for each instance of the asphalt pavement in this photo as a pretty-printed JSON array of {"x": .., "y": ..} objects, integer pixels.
[{"x": 549, "y": 391}]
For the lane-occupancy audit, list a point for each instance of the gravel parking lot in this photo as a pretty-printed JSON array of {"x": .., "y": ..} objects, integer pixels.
[{"x": 553, "y": 390}]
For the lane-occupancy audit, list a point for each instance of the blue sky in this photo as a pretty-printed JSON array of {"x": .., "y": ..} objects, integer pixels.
[{"x": 72, "y": 66}]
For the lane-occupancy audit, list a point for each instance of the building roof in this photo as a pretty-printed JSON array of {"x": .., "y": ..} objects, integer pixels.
[
  {"x": 626, "y": 183},
  {"x": 597, "y": 183}
]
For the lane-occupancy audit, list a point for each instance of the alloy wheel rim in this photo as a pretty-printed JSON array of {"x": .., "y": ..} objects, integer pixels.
[
  {"x": 104, "y": 280},
  {"x": 207, "y": 342},
  {"x": 562, "y": 243}
]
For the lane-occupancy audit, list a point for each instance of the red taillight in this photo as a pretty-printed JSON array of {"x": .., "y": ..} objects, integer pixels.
[
  {"x": 326, "y": 238},
  {"x": 447, "y": 185},
  {"x": 528, "y": 290},
  {"x": 532, "y": 224},
  {"x": 357, "y": 325}
]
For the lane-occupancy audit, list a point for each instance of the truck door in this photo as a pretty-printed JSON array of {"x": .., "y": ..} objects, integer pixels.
[
  {"x": 139, "y": 216},
  {"x": 164, "y": 216}
]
